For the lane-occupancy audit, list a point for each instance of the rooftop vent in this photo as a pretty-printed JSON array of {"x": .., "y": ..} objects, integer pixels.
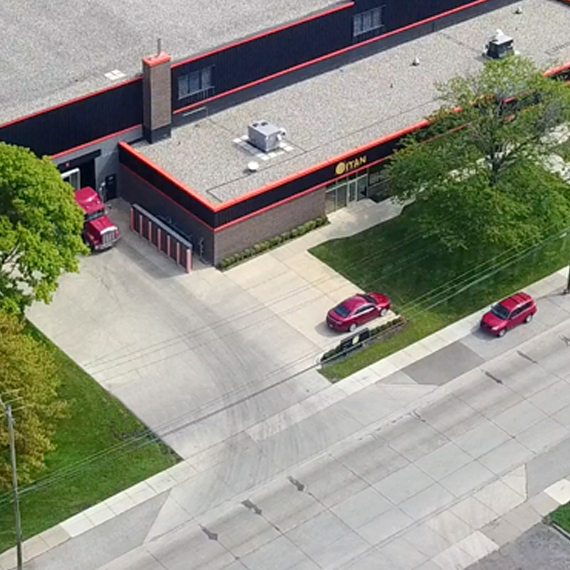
[
  {"x": 265, "y": 136},
  {"x": 500, "y": 46}
]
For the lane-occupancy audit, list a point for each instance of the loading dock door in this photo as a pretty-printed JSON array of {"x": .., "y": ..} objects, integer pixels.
[
  {"x": 72, "y": 177},
  {"x": 163, "y": 237}
]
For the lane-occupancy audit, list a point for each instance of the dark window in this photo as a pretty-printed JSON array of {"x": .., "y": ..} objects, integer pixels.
[
  {"x": 369, "y": 299},
  {"x": 366, "y": 22},
  {"x": 516, "y": 312},
  {"x": 341, "y": 310},
  {"x": 195, "y": 83},
  {"x": 500, "y": 311},
  {"x": 364, "y": 309},
  {"x": 94, "y": 215}
]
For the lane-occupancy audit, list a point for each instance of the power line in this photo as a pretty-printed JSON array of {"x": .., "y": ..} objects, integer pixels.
[
  {"x": 148, "y": 436},
  {"x": 98, "y": 366}
]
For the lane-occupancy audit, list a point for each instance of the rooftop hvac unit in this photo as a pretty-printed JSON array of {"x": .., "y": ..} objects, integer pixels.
[
  {"x": 500, "y": 46},
  {"x": 264, "y": 135}
]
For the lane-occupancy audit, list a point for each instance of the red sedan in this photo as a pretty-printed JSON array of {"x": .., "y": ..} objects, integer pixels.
[
  {"x": 357, "y": 310},
  {"x": 517, "y": 309}
]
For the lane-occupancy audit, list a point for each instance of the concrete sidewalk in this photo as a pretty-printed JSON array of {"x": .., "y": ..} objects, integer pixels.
[{"x": 300, "y": 289}]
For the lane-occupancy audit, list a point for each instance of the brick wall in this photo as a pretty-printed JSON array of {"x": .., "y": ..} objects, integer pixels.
[
  {"x": 272, "y": 222},
  {"x": 232, "y": 239}
]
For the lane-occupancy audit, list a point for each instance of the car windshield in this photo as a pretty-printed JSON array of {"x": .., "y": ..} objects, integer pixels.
[
  {"x": 500, "y": 311},
  {"x": 94, "y": 215},
  {"x": 341, "y": 310},
  {"x": 369, "y": 299}
]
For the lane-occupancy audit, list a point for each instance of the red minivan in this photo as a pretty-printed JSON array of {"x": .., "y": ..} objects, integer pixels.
[{"x": 516, "y": 309}]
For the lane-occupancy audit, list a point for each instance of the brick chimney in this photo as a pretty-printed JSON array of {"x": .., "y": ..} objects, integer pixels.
[{"x": 157, "y": 97}]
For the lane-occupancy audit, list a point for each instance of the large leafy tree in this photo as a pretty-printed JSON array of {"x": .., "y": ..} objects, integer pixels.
[
  {"x": 40, "y": 228},
  {"x": 28, "y": 379},
  {"x": 480, "y": 182}
]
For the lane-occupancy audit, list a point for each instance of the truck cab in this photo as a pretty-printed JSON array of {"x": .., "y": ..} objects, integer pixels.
[{"x": 99, "y": 232}]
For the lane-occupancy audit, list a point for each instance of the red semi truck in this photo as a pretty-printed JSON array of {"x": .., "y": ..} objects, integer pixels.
[{"x": 99, "y": 232}]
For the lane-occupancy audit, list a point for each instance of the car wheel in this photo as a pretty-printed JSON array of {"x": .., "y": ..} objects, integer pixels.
[
  {"x": 528, "y": 318},
  {"x": 352, "y": 327},
  {"x": 383, "y": 311},
  {"x": 502, "y": 332}
]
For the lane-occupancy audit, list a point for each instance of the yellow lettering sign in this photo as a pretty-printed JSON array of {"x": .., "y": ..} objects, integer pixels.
[{"x": 348, "y": 165}]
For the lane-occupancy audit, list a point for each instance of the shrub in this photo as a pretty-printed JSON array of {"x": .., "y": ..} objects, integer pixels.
[
  {"x": 329, "y": 354},
  {"x": 260, "y": 247}
]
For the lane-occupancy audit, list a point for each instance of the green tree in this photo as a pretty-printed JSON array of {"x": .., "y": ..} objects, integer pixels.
[
  {"x": 40, "y": 228},
  {"x": 480, "y": 182},
  {"x": 28, "y": 378}
]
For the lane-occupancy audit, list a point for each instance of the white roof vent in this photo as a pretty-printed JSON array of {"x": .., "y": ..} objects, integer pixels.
[
  {"x": 253, "y": 166},
  {"x": 500, "y": 37},
  {"x": 265, "y": 136}
]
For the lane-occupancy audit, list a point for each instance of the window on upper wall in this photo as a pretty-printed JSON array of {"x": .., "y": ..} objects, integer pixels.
[
  {"x": 197, "y": 84},
  {"x": 368, "y": 24}
]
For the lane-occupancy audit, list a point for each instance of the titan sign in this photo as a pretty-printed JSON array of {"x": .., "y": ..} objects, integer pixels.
[{"x": 347, "y": 166}]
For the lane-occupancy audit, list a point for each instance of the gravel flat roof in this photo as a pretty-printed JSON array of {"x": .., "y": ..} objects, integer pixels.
[
  {"x": 54, "y": 51},
  {"x": 353, "y": 105}
]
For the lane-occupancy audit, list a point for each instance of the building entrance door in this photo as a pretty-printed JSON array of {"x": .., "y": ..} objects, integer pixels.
[
  {"x": 352, "y": 192},
  {"x": 362, "y": 187},
  {"x": 72, "y": 177},
  {"x": 346, "y": 192},
  {"x": 357, "y": 188}
]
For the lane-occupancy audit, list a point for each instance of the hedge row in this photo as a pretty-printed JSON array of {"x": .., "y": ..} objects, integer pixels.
[
  {"x": 272, "y": 242},
  {"x": 381, "y": 332}
]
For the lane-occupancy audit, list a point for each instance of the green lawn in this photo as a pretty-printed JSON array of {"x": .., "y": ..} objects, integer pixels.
[
  {"x": 561, "y": 516},
  {"x": 431, "y": 290},
  {"x": 99, "y": 427}
]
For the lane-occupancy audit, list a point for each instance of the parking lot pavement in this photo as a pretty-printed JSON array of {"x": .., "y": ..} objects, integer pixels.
[
  {"x": 186, "y": 353},
  {"x": 539, "y": 547},
  {"x": 299, "y": 288},
  {"x": 200, "y": 357}
]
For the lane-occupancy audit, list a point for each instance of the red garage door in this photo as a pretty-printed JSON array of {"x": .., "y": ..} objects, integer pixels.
[{"x": 164, "y": 238}]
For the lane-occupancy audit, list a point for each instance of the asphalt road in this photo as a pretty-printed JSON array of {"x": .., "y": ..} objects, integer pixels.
[{"x": 540, "y": 548}]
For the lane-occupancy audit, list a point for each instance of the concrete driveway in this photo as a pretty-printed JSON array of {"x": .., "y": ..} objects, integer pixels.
[{"x": 200, "y": 357}]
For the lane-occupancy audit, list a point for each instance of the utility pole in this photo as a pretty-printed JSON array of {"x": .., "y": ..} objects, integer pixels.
[{"x": 10, "y": 421}]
